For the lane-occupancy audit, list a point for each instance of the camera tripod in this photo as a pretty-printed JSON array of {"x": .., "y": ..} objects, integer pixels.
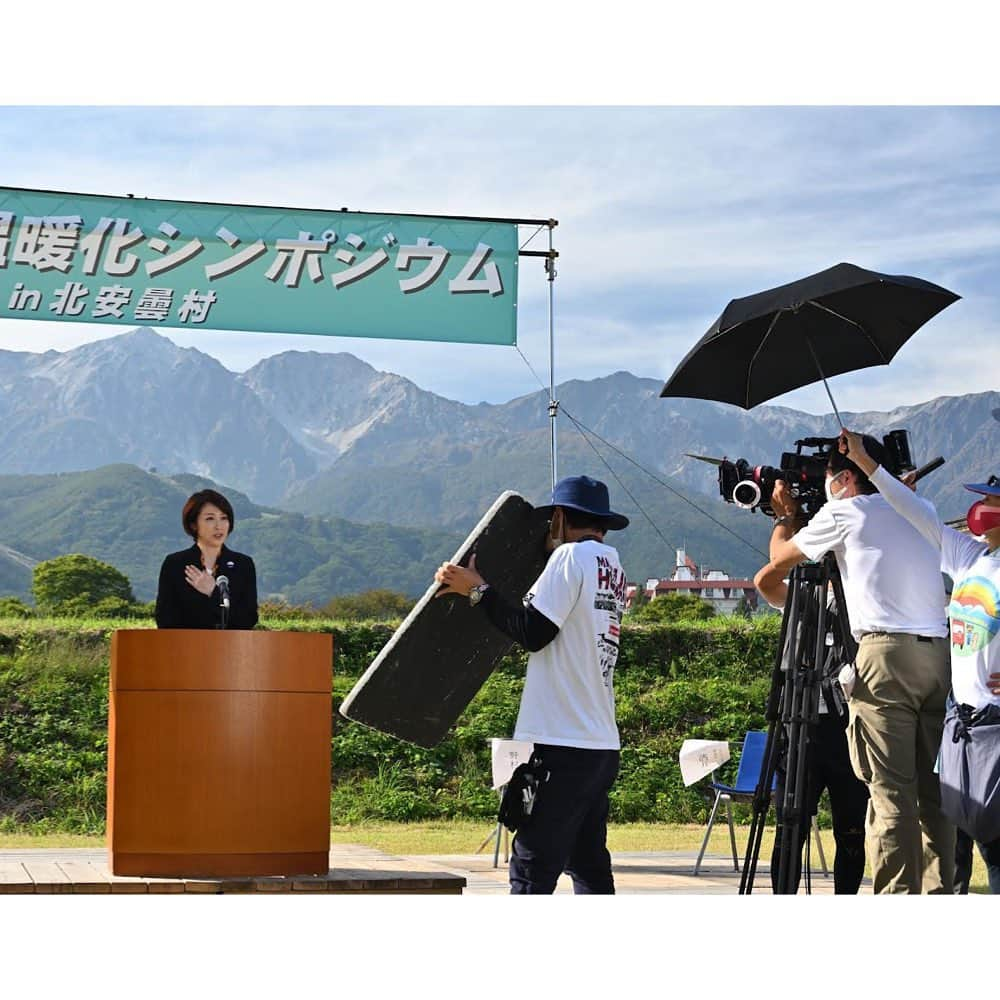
[{"x": 804, "y": 663}]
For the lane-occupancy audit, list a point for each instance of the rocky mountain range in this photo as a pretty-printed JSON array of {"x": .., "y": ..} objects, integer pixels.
[
  {"x": 130, "y": 518},
  {"x": 327, "y": 435}
]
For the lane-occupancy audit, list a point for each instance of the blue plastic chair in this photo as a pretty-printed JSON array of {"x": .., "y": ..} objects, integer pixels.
[{"x": 747, "y": 776}]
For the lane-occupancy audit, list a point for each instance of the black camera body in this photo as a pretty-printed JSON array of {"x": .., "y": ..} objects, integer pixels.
[{"x": 804, "y": 472}]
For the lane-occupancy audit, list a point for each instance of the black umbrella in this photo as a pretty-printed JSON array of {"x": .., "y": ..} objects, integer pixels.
[{"x": 839, "y": 320}]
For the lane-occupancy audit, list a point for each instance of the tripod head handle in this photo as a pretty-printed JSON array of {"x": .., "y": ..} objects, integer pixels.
[{"x": 924, "y": 470}]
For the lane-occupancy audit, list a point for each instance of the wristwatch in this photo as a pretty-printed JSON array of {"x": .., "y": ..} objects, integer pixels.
[{"x": 476, "y": 594}]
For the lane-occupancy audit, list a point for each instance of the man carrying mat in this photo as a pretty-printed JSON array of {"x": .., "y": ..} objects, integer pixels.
[{"x": 570, "y": 622}]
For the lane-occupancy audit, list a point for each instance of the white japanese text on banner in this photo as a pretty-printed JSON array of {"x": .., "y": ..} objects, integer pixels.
[{"x": 92, "y": 259}]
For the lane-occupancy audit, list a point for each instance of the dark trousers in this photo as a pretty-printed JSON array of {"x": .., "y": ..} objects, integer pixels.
[
  {"x": 568, "y": 827},
  {"x": 828, "y": 765},
  {"x": 963, "y": 862}
]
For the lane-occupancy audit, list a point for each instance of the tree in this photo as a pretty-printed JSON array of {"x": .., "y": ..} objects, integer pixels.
[
  {"x": 377, "y": 605},
  {"x": 639, "y": 598},
  {"x": 673, "y": 607},
  {"x": 74, "y": 583}
]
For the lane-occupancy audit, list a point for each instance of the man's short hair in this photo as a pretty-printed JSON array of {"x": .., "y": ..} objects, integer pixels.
[
  {"x": 580, "y": 520},
  {"x": 837, "y": 463}
]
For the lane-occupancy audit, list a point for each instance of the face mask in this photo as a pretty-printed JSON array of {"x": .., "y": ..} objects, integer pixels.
[
  {"x": 982, "y": 518},
  {"x": 831, "y": 493}
]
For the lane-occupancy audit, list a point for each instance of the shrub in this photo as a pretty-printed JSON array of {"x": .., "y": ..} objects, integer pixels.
[
  {"x": 14, "y": 607},
  {"x": 681, "y": 680},
  {"x": 282, "y": 611},
  {"x": 369, "y": 605}
]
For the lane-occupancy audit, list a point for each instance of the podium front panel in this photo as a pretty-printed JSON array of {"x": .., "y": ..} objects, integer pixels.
[{"x": 219, "y": 753}]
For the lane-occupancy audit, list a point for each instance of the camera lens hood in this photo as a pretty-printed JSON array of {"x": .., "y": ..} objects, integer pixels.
[{"x": 746, "y": 494}]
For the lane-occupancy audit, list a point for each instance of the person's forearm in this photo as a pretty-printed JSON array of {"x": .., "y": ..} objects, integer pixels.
[
  {"x": 525, "y": 625},
  {"x": 784, "y": 531},
  {"x": 770, "y": 583},
  {"x": 904, "y": 501},
  {"x": 865, "y": 463}
]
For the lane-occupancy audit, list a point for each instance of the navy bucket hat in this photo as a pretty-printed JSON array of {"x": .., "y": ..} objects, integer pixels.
[
  {"x": 587, "y": 495},
  {"x": 991, "y": 488}
]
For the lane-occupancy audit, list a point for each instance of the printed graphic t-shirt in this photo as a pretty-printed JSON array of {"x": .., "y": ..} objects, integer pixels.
[
  {"x": 975, "y": 617},
  {"x": 975, "y": 600},
  {"x": 569, "y": 695}
]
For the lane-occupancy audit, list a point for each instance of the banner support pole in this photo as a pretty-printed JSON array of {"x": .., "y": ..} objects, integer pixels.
[{"x": 550, "y": 269}]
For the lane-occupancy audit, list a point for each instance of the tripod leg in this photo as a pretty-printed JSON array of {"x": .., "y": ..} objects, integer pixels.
[
  {"x": 762, "y": 802},
  {"x": 805, "y": 671},
  {"x": 792, "y": 706},
  {"x": 777, "y": 707},
  {"x": 819, "y": 848}
]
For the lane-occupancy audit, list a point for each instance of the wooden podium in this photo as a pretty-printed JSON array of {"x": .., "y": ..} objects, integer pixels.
[{"x": 219, "y": 753}]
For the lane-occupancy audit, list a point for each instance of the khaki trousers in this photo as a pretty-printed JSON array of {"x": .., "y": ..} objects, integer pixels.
[{"x": 896, "y": 718}]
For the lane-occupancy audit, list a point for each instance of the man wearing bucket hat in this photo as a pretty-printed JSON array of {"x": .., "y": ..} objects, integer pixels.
[
  {"x": 970, "y": 746},
  {"x": 570, "y": 622}
]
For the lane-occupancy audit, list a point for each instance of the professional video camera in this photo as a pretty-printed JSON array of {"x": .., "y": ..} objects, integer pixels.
[{"x": 750, "y": 486}]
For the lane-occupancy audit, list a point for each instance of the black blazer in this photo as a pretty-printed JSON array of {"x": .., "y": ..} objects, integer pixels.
[{"x": 179, "y": 605}]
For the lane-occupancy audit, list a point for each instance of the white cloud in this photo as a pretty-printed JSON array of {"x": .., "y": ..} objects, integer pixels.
[{"x": 665, "y": 214}]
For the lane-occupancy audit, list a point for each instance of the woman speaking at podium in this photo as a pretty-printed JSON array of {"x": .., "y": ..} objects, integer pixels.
[{"x": 207, "y": 585}]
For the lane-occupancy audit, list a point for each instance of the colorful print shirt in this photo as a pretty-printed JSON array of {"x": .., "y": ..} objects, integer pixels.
[{"x": 974, "y": 609}]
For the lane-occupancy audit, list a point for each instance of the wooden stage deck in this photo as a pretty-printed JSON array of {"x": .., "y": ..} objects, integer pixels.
[{"x": 353, "y": 869}]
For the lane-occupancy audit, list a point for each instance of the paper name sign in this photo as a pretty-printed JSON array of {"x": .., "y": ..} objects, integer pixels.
[
  {"x": 507, "y": 756},
  {"x": 701, "y": 757}
]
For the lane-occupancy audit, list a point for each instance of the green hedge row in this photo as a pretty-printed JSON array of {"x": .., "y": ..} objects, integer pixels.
[{"x": 699, "y": 680}]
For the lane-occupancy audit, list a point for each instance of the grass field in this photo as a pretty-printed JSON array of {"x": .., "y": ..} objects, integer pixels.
[{"x": 464, "y": 836}]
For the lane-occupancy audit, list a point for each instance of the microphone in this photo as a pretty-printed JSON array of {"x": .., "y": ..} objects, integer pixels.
[{"x": 222, "y": 582}]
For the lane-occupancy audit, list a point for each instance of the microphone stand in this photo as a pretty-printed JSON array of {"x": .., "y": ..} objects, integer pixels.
[{"x": 223, "y": 587}]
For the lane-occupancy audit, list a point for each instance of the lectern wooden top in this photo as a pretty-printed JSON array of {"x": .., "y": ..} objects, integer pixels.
[{"x": 217, "y": 660}]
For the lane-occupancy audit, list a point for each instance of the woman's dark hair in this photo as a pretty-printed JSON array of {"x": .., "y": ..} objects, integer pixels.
[
  {"x": 837, "y": 463},
  {"x": 189, "y": 515},
  {"x": 580, "y": 520}
]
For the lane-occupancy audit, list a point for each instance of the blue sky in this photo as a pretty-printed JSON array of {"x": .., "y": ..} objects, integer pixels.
[{"x": 665, "y": 214}]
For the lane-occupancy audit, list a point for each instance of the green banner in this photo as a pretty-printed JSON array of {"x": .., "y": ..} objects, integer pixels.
[{"x": 139, "y": 261}]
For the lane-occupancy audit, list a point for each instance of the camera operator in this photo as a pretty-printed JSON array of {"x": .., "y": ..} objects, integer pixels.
[
  {"x": 895, "y": 604},
  {"x": 570, "y": 622}
]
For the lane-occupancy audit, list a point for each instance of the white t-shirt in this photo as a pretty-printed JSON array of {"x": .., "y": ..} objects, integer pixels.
[
  {"x": 975, "y": 599},
  {"x": 569, "y": 697},
  {"x": 891, "y": 576}
]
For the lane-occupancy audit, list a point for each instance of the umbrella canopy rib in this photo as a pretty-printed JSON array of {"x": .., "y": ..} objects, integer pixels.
[
  {"x": 760, "y": 347},
  {"x": 847, "y": 319}
]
